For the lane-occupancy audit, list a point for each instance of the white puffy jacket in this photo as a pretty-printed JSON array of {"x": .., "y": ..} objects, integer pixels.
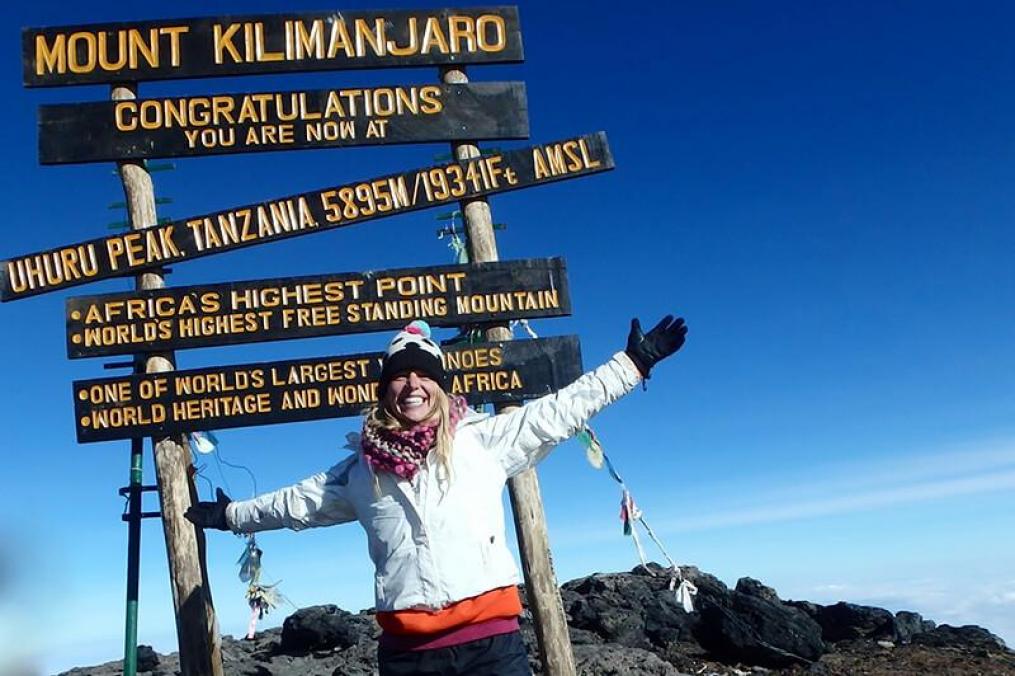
[{"x": 434, "y": 545}]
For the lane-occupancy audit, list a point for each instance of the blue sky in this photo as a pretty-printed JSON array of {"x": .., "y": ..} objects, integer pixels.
[{"x": 822, "y": 189}]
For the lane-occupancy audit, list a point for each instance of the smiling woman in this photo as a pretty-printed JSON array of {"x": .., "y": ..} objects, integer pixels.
[
  {"x": 427, "y": 484},
  {"x": 411, "y": 397}
]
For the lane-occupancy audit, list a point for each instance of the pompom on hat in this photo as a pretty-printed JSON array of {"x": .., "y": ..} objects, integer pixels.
[{"x": 412, "y": 350}]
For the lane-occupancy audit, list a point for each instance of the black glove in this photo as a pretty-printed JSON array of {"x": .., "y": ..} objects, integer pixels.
[
  {"x": 210, "y": 514},
  {"x": 647, "y": 350}
]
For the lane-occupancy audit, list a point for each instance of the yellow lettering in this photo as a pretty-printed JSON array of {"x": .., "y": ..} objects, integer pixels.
[
  {"x": 50, "y": 58},
  {"x": 73, "y": 55},
  {"x": 223, "y": 42}
]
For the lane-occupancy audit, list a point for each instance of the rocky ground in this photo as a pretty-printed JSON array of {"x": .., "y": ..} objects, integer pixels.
[{"x": 630, "y": 623}]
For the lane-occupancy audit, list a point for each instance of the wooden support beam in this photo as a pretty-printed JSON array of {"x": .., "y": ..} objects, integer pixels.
[
  {"x": 196, "y": 624},
  {"x": 526, "y": 501}
]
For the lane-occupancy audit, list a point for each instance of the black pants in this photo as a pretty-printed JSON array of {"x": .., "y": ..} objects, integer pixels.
[{"x": 502, "y": 655}]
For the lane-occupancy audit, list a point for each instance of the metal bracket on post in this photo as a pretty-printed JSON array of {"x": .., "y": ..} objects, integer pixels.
[
  {"x": 128, "y": 492},
  {"x": 118, "y": 365},
  {"x": 125, "y": 490}
]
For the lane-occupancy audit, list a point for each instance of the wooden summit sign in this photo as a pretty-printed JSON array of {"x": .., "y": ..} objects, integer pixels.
[
  {"x": 268, "y": 43},
  {"x": 219, "y": 124},
  {"x": 306, "y": 389},
  {"x": 323, "y": 305},
  {"x": 315, "y": 211}
]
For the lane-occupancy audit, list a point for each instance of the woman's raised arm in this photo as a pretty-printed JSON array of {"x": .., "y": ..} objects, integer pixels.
[
  {"x": 317, "y": 501},
  {"x": 523, "y": 437}
]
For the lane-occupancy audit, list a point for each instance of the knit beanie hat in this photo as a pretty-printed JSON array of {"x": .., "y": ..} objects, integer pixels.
[{"x": 412, "y": 350}]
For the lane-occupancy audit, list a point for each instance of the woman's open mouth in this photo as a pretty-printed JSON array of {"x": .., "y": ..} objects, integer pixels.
[{"x": 413, "y": 401}]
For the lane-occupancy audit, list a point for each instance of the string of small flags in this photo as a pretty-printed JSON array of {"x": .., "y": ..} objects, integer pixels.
[
  {"x": 683, "y": 589},
  {"x": 630, "y": 514},
  {"x": 262, "y": 598},
  {"x": 455, "y": 242},
  {"x": 204, "y": 442}
]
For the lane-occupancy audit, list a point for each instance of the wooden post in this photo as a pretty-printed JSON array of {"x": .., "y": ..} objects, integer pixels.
[
  {"x": 526, "y": 501},
  {"x": 196, "y": 625}
]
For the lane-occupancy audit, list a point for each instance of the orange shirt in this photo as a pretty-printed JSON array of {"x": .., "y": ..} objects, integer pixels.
[{"x": 496, "y": 603}]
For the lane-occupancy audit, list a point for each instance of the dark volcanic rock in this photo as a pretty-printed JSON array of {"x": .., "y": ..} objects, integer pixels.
[
  {"x": 666, "y": 622},
  {"x": 908, "y": 625},
  {"x": 147, "y": 659},
  {"x": 844, "y": 621},
  {"x": 630, "y": 623},
  {"x": 860, "y": 656},
  {"x": 752, "y": 587},
  {"x": 609, "y": 606},
  {"x": 637, "y": 609},
  {"x": 753, "y": 630},
  {"x": 811, "y": 610},
  {"x": 612, "y": 660},
  {"x": 319, "y": 628},
  {"x": 968, "y": 637},
  {"x": 359, "y": 660}
]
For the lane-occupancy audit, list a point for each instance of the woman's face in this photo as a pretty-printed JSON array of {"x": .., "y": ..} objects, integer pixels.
[{"x": 411, "y": 397}]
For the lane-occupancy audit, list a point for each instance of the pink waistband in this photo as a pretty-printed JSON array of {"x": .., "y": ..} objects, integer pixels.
[{"x": 456, "y": 636}]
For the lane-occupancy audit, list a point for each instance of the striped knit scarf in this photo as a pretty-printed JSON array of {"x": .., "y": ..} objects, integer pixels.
[{"x": 401, "y": 451}]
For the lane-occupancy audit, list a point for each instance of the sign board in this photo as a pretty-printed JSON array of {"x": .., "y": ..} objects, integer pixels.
[
  {"x": 136, "y": 51},
  {"x": 322, "y": 305},
  {"x": 309, "y": 212},
  {"x": 306, "y": 389},
  {"x": 221, "y": 124}
]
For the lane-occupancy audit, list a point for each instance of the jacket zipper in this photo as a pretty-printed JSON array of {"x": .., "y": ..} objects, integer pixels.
[
  {"x": 420, "y": 485},
  {"x": 439, "y": 594}
]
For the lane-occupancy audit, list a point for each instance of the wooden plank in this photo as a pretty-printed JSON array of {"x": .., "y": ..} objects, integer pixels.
[
  {"x": 306, "y": 389},
  {"x": 222, "y": 124},
  {"x": 321, "y": 305},
  {"x": 196, "y": 624},
  {"x": 268, "y": 43},
  {"x": 309, "y": 212},
  {"x": 549, "y": 620}
]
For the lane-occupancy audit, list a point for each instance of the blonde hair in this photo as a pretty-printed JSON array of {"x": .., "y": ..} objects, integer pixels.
[{"x": 379, "y": 416}]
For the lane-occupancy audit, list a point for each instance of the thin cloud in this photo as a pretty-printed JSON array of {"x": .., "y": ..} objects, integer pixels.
[
  {"x": 857, "y": 487},
  {"x": 894, "y": 470},
  {"x": 797, "y": 510}
]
